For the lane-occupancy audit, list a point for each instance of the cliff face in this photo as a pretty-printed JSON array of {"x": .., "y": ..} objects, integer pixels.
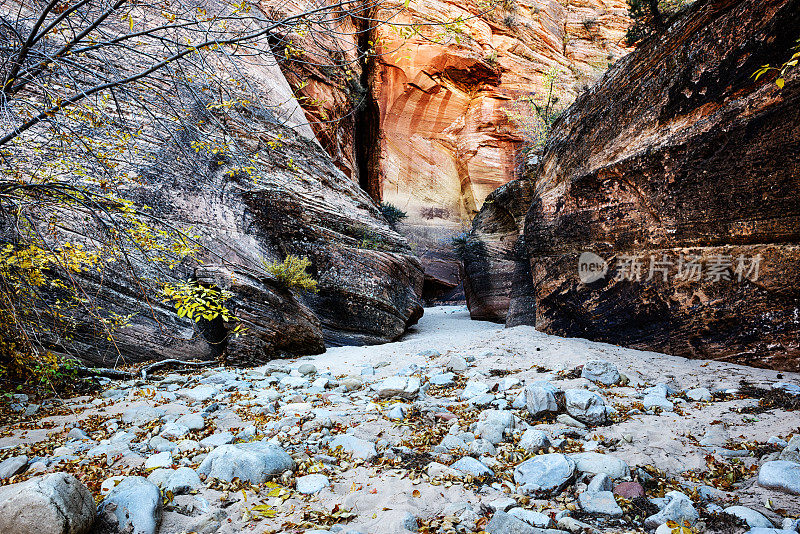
[
  {"x": 425, "y": 125},
  {"x": 292, "y": 200},
  {"x": 680, "y": 175}
]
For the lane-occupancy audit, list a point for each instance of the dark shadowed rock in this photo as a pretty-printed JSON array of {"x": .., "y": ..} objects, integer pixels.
[{"x": 662, "y": 162}]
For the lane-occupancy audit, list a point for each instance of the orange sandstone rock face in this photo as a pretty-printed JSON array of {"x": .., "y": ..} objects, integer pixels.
[{"x": 446, "y": 141}]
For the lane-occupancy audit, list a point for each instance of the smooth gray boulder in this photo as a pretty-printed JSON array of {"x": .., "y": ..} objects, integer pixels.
[
  {"x": 254, "y": 462},
  {"x": 601, "y": 371},
  {"x": 534, "y": 440},
  {"x": 397, "y": 386},
  {"x": 359, "y": 448},
  {"x": 601, "y": 503},
  {"x": 596, "y": 463},
  {"x": 537, "y": 519},
  {"x": 587, "y": 406},
  {"x": 547, "y": 473},
  {"x": 176, "y": 481},
  {"x": 503, "y": 523},
  {"x": 136, "y": 503},
  {"x": 471, "y": 466},
  {"x": 791, "y": 452},
  {"x": 56, "y": 503},
  {"x": 780, "y": 475}
]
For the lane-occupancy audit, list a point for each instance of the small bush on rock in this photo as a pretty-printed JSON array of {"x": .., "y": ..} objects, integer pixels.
[
  {"x": 392, "y": 213},
  {"x": 292, "y": 274}
]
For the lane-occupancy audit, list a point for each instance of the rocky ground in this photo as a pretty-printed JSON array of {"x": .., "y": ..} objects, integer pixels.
[{"x": 462, "y": 426}]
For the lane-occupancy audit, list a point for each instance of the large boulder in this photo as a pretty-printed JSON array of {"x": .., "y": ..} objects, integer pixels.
[
  {"x": 653, "y": 202},
  {"x": 135, "y": 504},
  {"x": 57, "y": 503},
  {"x": 254, "y": 462}
]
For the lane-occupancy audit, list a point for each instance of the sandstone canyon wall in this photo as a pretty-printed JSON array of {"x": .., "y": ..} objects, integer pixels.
[
  {"x": 296, "y": 201},
  {"x": 445, "y": 141},
  {"x": 422, "y": 123},
  {"x": 681, "y": 175}
]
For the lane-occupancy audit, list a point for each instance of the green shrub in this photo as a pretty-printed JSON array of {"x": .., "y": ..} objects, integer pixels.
[
  {"x": 292, "y": 274},
  {"x": 392, "y": 213}
]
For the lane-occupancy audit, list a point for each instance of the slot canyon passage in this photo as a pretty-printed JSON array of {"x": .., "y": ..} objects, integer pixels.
[{"x": 504, "y": 267}]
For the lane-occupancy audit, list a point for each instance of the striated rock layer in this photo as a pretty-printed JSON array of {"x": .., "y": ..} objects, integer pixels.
[
  {"x": 681, "y": 175},
  {"x": 294, "y": 200}
]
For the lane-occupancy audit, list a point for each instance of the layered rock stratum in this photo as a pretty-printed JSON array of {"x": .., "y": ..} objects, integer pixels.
[
  {"x": 294, "y": 201},
  {"x": 679, "y": 173}
]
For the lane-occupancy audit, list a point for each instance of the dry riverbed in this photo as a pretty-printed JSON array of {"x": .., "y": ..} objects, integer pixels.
[{"x": 462, "y": 426}]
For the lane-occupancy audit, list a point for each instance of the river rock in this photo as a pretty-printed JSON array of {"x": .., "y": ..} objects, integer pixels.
[
  {"x": 534, "y": 440},
  {"x": 541, "y": 397},
  {"x": 750, "y": 516},
  {"x": 547, "y": 473},
  {"x": 56, "y": 503},
  {"x": 780, "y": 475},
  {"x": 601, "y": 371},
  {"x": 601, "y": 503},
  {"x": 595, "y": 463},
  {"x": 176, "y": 481},
  {"x": 471, "y": 466},
  {"x": 398, "y": 386},
  {"x": 254, "y": 462},
  {"x": 12, "y": 466},
  {"x": 309, "y": 484},
  {"x": 586, "y": 406},
  {"x": 358, "y": 447},
  {"x": 679, "y": 508},
  {"x": 136, "y": 504}
]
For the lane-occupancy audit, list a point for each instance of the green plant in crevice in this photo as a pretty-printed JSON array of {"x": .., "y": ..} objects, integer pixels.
[
  {"x": 292, "y": 273},
  {"x": 392, "y": 213}
]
